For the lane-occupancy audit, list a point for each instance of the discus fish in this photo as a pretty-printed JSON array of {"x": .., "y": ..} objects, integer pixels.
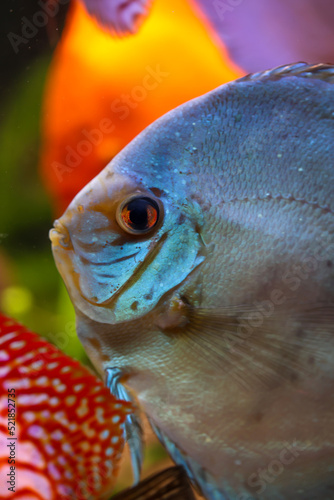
[
  {"x": 61, "y": 430},
  {"x": 200, "y": 265}
]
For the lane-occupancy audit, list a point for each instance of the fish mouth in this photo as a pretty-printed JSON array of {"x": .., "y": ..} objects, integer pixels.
[{"x": 60, "y": 236}]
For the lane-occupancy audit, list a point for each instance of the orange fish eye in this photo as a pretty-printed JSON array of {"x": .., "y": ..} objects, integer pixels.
[{"x": 138, "y": 215}]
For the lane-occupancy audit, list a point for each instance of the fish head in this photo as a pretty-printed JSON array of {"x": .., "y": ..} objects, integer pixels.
[{"x": 132, "y": 234}]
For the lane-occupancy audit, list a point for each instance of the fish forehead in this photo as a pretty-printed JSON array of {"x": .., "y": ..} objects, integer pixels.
[{"x": 243, "y": 139}]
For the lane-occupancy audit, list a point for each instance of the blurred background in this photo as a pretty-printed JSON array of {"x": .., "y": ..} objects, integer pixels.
[
  {"x": 64, "y": 73},
  {"x": 31, "y": 290}
]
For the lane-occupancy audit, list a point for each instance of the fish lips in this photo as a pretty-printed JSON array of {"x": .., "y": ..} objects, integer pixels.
[{"x": 110, "y": 286}]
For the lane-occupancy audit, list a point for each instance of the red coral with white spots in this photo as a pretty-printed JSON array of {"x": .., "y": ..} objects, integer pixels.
[{"x": 68, "y": 431}]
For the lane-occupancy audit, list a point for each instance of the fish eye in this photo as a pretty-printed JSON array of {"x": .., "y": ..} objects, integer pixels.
[{"x": 138, "y": 215}]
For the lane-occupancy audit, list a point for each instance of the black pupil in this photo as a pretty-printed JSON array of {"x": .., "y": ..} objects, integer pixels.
[{"x": 138, "y": 212}]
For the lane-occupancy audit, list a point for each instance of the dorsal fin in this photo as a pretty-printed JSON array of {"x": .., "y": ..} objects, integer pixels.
[{"x": 323, "y": 72}]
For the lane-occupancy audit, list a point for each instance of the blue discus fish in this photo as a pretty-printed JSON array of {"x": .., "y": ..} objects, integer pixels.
[{"x": 200, "y": 263}]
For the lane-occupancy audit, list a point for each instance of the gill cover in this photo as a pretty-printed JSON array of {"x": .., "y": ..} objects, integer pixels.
[{"x": 113, "y": 276}]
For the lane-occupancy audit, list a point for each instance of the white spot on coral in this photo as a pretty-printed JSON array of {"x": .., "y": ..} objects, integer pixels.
[
  {"x": 66, "y": 447},
  {"x": 4, "y": 371},
  {"x": 29, "y": 416},
  {"x": 18, "y": 344},
  {"x": 104, "y": 434},
  {"x": 99, "y": 412},
  {"x": 57, "y": 435},
  {"x": 61, "y": 417},
  {"x": 61, "y": 460},
  {"x": 24, "y": 358},
  {"x": 4, "y": 356},
  {"x": 31, "y": 399},
  {"x": 54, "y": 401},
  {"x": 37, "y": 365},
  {"x": 42, "y": 380},
  {"x": 88, "y": 431},
  {"x": 36, "y": 431},
  {"x": 49, "y": 449},
  {"x": 7, "y": 337},
  {"x": 52, "y": 365},
  {"x": 83, "y": 409},
  {"x": 68, "y": 474},
  {"x": 109, "y": 465},
  {"x": 115, "y": 439},
  {"x": 70, "y": 400},
  {"x": 109, "y": 451},
  {"x": 96, "y": 448},
  {"x": 54, "y": 472},
  {"x": 78, "y": 387},
  {"x": 84, "y": 446}
]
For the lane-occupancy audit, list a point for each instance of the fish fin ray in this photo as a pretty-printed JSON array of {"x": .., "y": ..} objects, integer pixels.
[
  {"x": 200, "y": 478},
  {"x": 132, "y": 428},
  {"x": 321, "y": 71}
]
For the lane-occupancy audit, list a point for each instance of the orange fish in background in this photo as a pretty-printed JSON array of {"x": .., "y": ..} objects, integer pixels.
[
  {"x": 103, "y": 90},
  {"x": 60, "y": 427}
]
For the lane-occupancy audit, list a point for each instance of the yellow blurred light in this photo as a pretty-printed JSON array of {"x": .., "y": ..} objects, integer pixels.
[{"x": 16, "y": 300}]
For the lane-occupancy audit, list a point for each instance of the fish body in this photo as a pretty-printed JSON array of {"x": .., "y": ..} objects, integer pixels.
[{"x": 200, "y": 264}]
